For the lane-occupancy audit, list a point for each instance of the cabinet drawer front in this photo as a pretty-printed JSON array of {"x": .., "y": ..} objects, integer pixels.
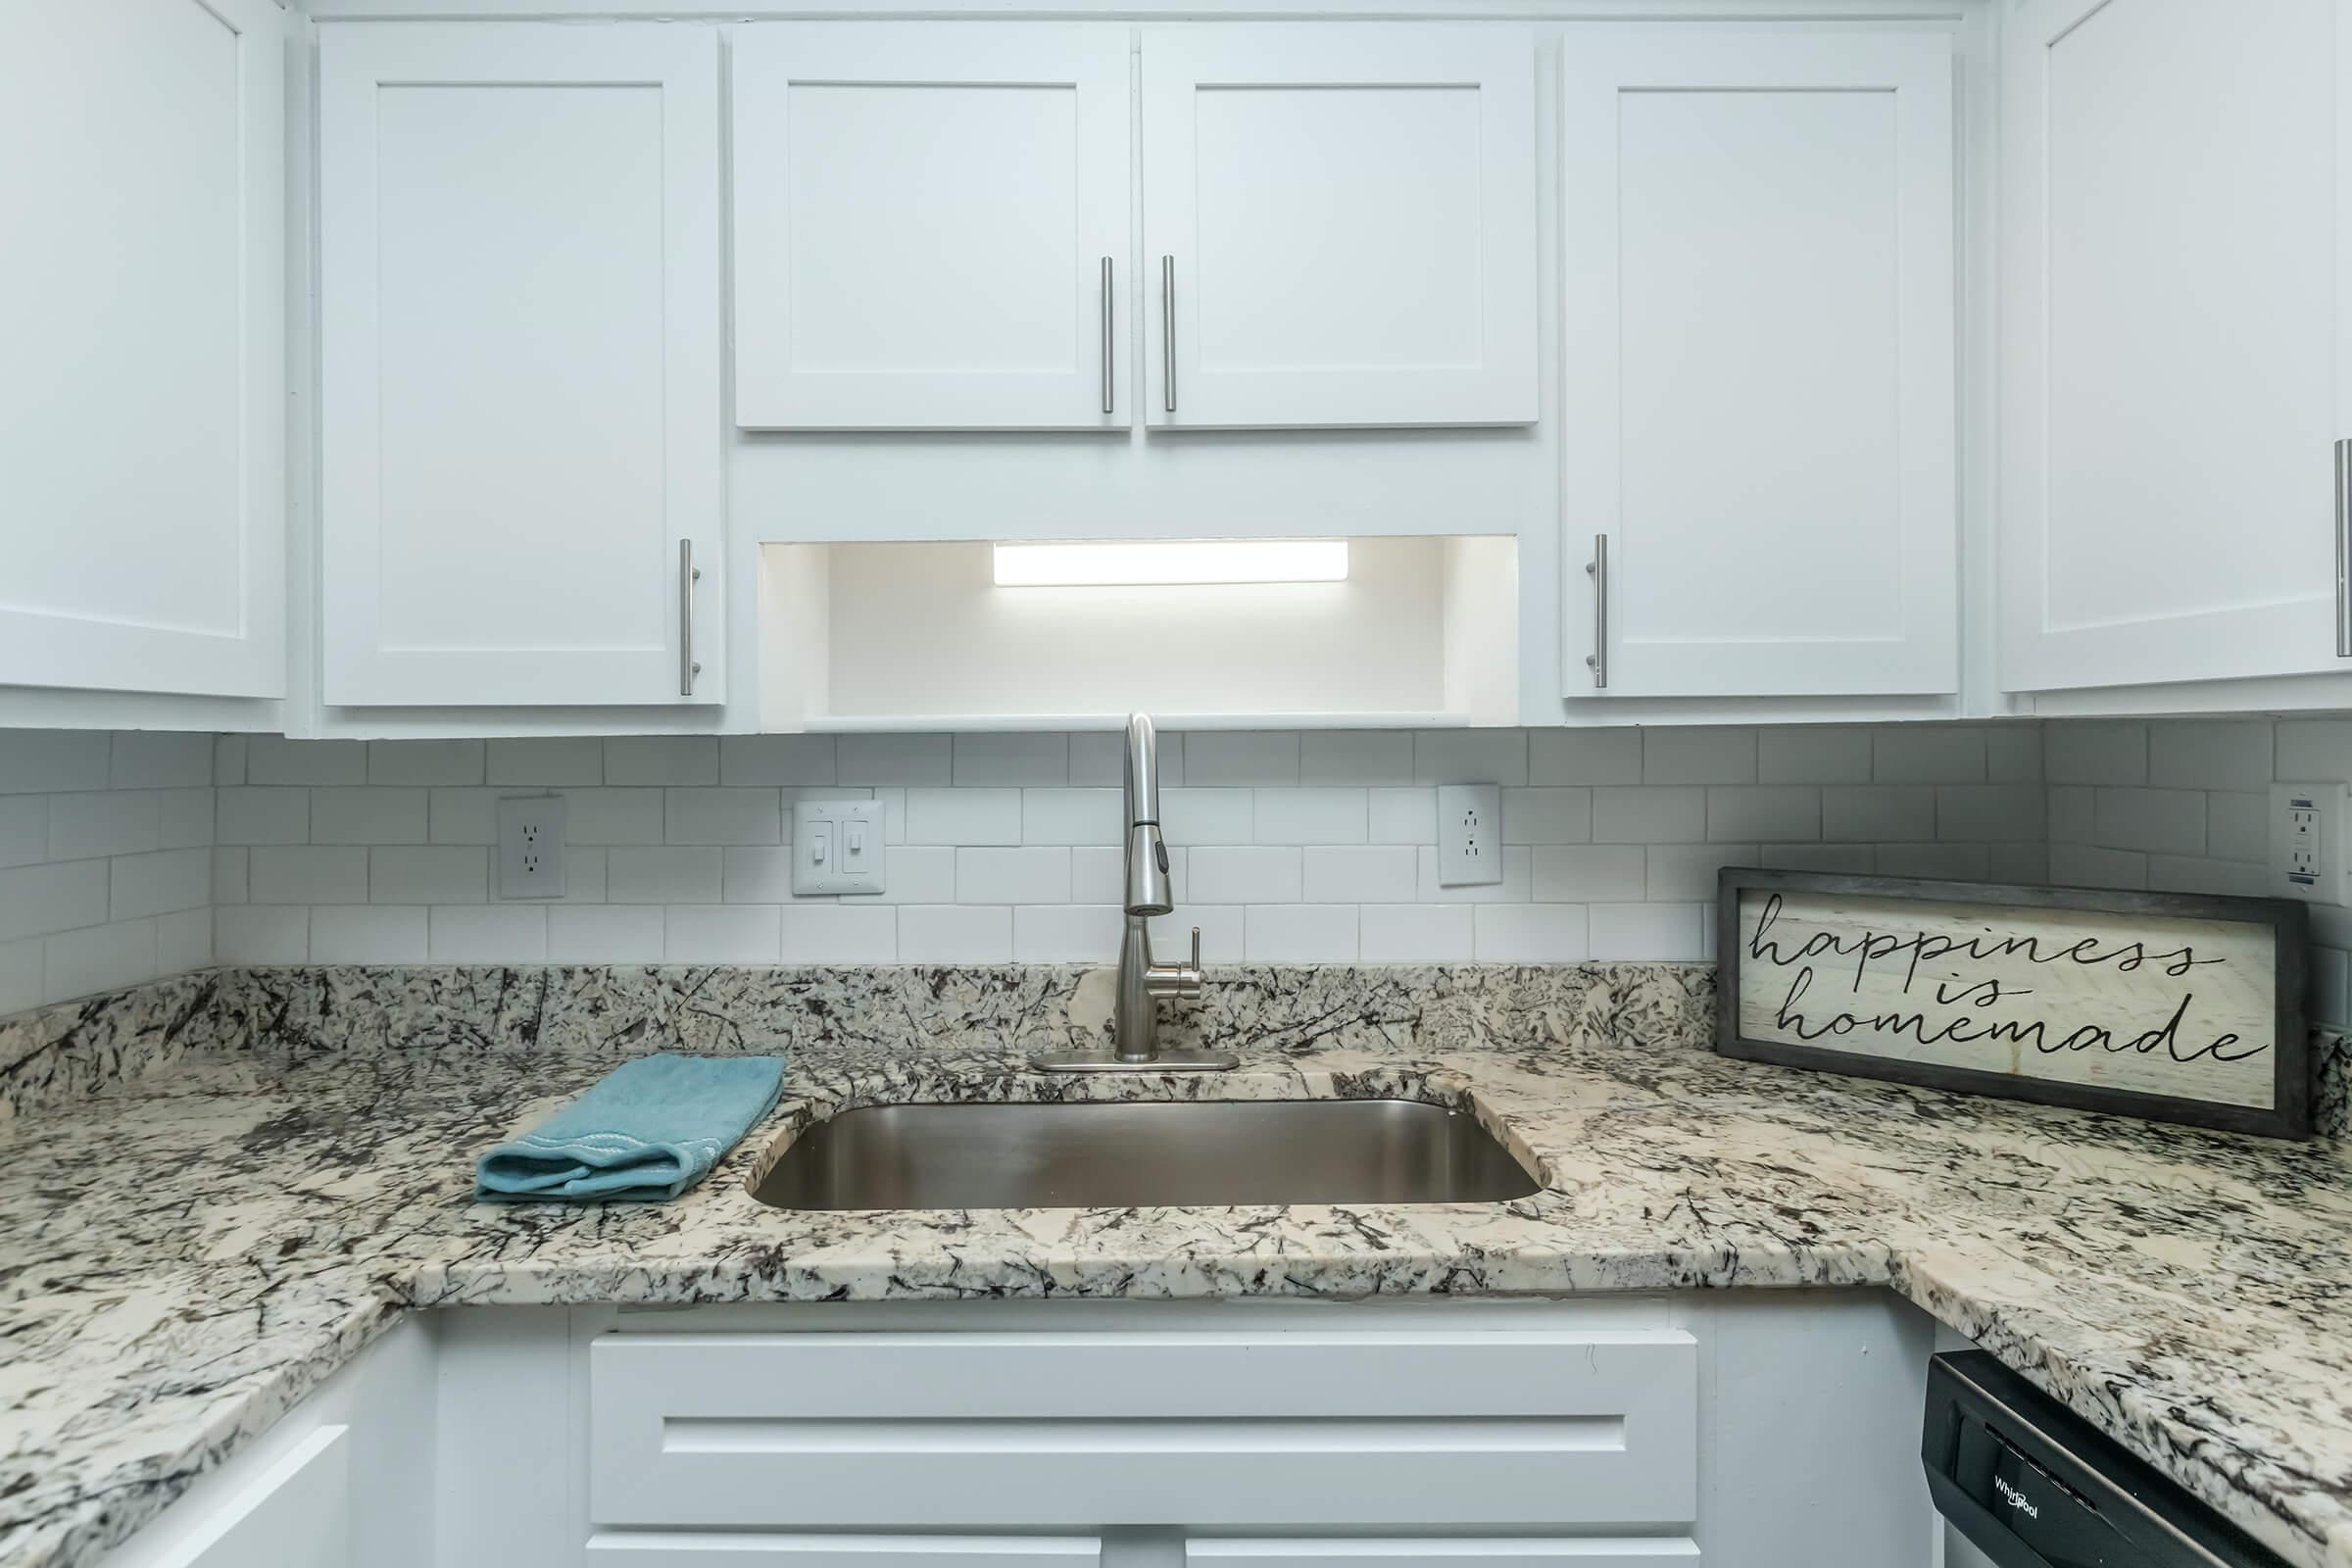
[
  {"x": 667, "y": 1551},
  {"x": 1086, "y": 1430},
  {"x": 1522, "y": 1551}
]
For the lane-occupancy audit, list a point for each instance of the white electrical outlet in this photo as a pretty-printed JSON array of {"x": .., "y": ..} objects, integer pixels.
[
  {"x": 530, "y": 847},
  {"x": 2307, "y": 856},
  {"x": 835, "y": 846},
  {"x": 1469, "y": 834}
]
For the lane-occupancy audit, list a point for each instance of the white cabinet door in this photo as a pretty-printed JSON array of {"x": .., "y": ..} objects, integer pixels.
[
  {"x": 520, "y": 326},
  {"x": 931, "y": 226},
  {"x": 1757, "y": 411},
  {"x": 665, "y": 1549},
  {"x": 1340, "y": 225},
  {"x": 2175, "y": 245},
  {"x": 142, "y": 323},
  {"x": 294, "y": 1511},
  {"x": 1438, "y": 1551}
]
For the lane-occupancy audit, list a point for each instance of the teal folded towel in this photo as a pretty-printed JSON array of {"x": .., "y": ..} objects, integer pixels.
[{"x": 647, "y": 1130}]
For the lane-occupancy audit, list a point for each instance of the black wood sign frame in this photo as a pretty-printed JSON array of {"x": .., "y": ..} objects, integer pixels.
[{"x": 2288, "y": 1116}]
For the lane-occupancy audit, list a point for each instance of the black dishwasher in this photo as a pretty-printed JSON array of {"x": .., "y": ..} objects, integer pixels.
[{"x": 2034, "y": 1487}]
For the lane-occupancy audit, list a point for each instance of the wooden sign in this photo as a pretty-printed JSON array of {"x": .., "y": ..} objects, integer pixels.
[{"x": 2173, "y": 1005}]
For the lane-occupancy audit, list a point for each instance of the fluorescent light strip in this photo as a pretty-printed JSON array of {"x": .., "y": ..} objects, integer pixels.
[{"x": 1156, "y": 563}]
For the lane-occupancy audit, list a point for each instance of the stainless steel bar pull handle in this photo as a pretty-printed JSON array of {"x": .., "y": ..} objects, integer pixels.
[
  {"x": 1108, "y": 399},
  {"x": 1167, "y": 330},
  {"x": 2343, "y": 549},
  {"x": 1597, "y": 569},
  {"x": 688, "y": 575}
]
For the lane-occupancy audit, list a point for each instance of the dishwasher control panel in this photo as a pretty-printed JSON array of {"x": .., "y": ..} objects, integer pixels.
[{"x": 2034, "y": 1487}]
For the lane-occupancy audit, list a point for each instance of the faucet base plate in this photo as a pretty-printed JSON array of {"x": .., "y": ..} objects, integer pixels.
[{"x": 1166, "y": 1061}]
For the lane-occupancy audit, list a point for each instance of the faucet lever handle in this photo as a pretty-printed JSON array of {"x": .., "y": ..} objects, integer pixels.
[{"x": 1196, "y": 964}]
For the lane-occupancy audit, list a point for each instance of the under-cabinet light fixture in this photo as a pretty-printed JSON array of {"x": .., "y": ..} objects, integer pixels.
[{"x": 1154, "y": 562}]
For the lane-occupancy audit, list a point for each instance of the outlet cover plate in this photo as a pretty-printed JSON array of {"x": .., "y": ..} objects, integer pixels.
[
  {"x": 835, "y": 846},
  {"x": 2307, "y": 844},
  {"x": 1469, "y": 834},
  {"x": 530, "y": 847}
]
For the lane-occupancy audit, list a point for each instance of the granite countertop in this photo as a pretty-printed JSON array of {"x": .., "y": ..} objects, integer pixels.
[{"x": 185, "y": 1252}]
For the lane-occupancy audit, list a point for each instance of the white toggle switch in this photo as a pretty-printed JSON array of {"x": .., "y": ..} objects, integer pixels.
[{"x": 838, "y": 846}]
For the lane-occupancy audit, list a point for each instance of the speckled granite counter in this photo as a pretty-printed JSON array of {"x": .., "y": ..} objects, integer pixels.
[{"x": 187, "y": 1251}]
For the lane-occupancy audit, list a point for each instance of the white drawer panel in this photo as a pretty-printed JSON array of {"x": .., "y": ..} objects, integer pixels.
[
  {"x": 1518, "y": 1551},
  {"x": 1086, "y": 1430},
  {"x": 669, "y": 1551}
]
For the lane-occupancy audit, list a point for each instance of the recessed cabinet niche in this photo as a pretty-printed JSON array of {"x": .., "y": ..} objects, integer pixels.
[{"x": 519, "y": 332}]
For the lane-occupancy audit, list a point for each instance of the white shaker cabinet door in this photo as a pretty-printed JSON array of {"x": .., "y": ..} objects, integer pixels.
[
  {"x": 932, "y": 226},
  {"x": 1338, "y": 224},
  {"x": 2175, "y": 257},
  {"x": 1757, "y": 424},
  {"x": 142, "y": 323},
  {"x": 519, "y": 319}
]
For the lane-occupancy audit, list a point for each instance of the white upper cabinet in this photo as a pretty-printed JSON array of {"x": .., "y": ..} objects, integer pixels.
[
  {"x": 142, "y": 325},
  {"x": 2176, "y": 214},
  {"x": 1759, "y": 364},
  {"x": 1338, "y": 224},
  {"x": 519, "y": 324},
  {"x": 932, "y": 226}
]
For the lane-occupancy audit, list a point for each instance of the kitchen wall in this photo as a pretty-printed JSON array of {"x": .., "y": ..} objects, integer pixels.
[
  {"x": 2182, "y": 806},
  {"x": 1286, "y": 846},
  {"x": 105, "y": 860}
]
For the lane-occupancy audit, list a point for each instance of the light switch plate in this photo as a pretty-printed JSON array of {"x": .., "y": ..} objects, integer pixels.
[
  {"x": 835, "y": 846},
  {"x": 530, "y": 847},
  {"x": 1469, "y": 834},
  {"x": 2307, "y": 844}
]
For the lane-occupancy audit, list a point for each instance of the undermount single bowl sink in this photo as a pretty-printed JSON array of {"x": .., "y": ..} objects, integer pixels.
[{"x": 1127, "y": 1153}]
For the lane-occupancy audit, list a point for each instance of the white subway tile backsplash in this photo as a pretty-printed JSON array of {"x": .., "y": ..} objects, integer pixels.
[
  {"x": 737, "y": 815},
  {"x": 1324, "y": 815},
  {"x": 1037, "y": 874},
  {"x": 23, "y": 829},
  {"x": 367, "y": 934},
  {"x": 229, "y": 875},
  {"x": 425, "y": 762},
  {"x": 758, "y": 874},
  {"x": 1356, "y": 757},
  {"x": 19, "y": 975},
  {"x": 665, "y": 760},
  {"x": 1850, "y": 859},
  {"x": 964, "y": 816},
  {"x": 1224, "y": 928},
  {"x": 1532, "y": 933},
  {"x": 1416, "y": 933},
  {"x": 644, "y": 873},
  {"x": 102, "y": 958},
  {"x": 2019, "y": 863},
  {"x": 36, "y": 761},
  {"x": 1361, "y": 873},
  {"x": 186, "y": 817},
  {"x": 2013, "y": 753},
  {"x": 1516, "y": 886},
  {"x": 260, "y": 933},
  {"x": 1655, "y": 933},
  {"x": 2314, "y": 750},
  {"x": 1245, "y": 874},
  {"x": 2176, "y": 873},
  {"x": 2095, "y": 751},
  {"x": 1546, "y": 814},
  {"x": 725, "y": 933},
  {"x": 2089, "y": 867},
  {"x": 1098, "y": 757},
  {"x": 1970, "y": 863},
  {"x": 787, "y": 759},
  {"x": 1584, "y": 755},
  {"x": 1072, "y": 816},
  {"x": 303, "y": 874},
  {"x": 497, "y": 933},
  {"x": 1066, "y": 933},
  {"x": 895, "y": 758},
  {"x": 108, "y": 822},
  {"x": 228, "y": 759},
  {"x": 549, "y": 761},
  {"x": 425, "y": 874},
  {"x": 369, "y": 816},
  {"x": 470, "y": 816},
  {"x": 1011, "y": 759},
  {"x": 955, "y": 933},
  {"x": 1990, "y": 812},
  {"x": 2072, "y": 813},
  {"x": 1649, "y": 814},
  {"x": 183, "y": 941},
  {"x": 1097, "y": 875},
  {"x": 2160, "y": 821},
  {"x": 1470, "y": 756},
  {"x": 610, "y": 816},
  {"x": 1401, "y": 815},
  {"x": 2238, "y": 827},
  {"x": 2328, "y": 998},
  {"x": 1686, "y": 871},
  {"x": 2210, "y": 754},
  {"x": 1698, "y": 755},
  {"x": 163, "y": 882},
  {"x": 1300, "y": 933},
  {"x": 1595, "y": 873},
  {"x": 1813, "y": 754},
  {"x": 604, "y": 933},
  {"x": 1240, "y": 756},
  {"x": 913, "y": 873},
  {"x": 158, "y": 759},
  {"x": 839, "y": 933},
  {"x": 1852, "y": 813},
  {"x": 1756, "y": 811},
  {"x": 275, "y": 759},
  {"x": 1927, "y": 754},
  {"x": 250, "y": 816},
  {"x": 1191, "y": 815}
]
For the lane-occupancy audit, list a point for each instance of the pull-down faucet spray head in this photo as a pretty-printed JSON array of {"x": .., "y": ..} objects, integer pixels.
[{"x": 1148, "y": 889}]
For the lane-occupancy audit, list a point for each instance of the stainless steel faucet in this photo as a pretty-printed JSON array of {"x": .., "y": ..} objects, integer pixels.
[{"x": 1135, "y": 1020}]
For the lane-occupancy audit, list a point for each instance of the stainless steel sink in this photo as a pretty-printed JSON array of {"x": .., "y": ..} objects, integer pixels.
[{"x": 1197, "y": 1152}]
